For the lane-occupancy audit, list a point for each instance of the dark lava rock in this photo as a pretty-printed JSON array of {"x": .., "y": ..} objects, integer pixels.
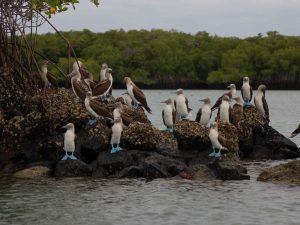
[
  {"x": 72, "y": 168},
  {"x": 228, "y": 171},
  {"x": 288, "y": 173},
  {"x": 259, "y": 141},
  {"x": 191, "y": 135}
]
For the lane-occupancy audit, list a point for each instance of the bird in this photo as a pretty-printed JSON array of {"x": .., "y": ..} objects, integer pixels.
[
  {"x": 231, "y": 93},
  {"x": 217, "y": 140},
  {"x": 295, "y": 132},
  {"x": 102, "y": 89},
  {"x": 168, "y": 115},
  {"x": 237, "y": 111},
  {"x": 246, "y": 91},
  {"x": 204, "y": 113},
  {"x": 48, "y": 79},
  {"x": 90, "y": 81},
  {"x": 79, "y": 87},
  {"x": 136, "y": 94},
  {"x": 118, "y": 112},
  {"x": 127, "y": 99},
  {"x": 102, "y": 76},
  {"x": 261, "y": 103},
  {"x": 96, "y": 109},
  {"x": 69, "y": 142},
  {"x": 116, "y": 129},
  {"x": 224, "y": 109},
  {"x": 181, "y": 104}
]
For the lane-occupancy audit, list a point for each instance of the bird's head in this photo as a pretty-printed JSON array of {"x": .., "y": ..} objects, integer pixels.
[
  {"x": 238, "y": 100},
  {"x": 231, "y": 86},
  {"x": 104, "y": 66},
  {"x": 246, "y": 80},
  {"x": 127, "y": 80},
  {"x": 262, "y": 88},
  {"x": 214, "y": 125},
  {"x": 69, "y": 126},
  {"x": 89, "y": 94},
  {"x": 119, "y": 106},
  {"x": 206, "y": 100},
  {"x": 168, "y": 101},
  {"x": 178, "y": 91}
]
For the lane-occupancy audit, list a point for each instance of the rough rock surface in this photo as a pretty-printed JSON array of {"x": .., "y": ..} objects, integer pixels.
[
  {"x": 288, "y": 173},
  {"x": 72, "y": 168},
  {"x": 32, "y": 172}
]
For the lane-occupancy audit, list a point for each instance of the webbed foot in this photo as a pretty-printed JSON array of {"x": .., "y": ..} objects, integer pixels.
[
  {"x": 113, "y": 149},
  {"x": 119, "y": 148},
  {"x": 218, "y": 154},
  {"x": 212, "y": 154},
  {"x": 65, "y": 157},
  {"x": 73, "y": 157},
  {"x": 92, "y": 121}
]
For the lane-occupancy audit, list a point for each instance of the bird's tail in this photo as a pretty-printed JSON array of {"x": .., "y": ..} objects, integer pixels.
[{"x": 148, "y": 109}]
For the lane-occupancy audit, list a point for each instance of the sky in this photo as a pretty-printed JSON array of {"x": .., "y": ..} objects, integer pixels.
[{"x": 240, "y": 18}]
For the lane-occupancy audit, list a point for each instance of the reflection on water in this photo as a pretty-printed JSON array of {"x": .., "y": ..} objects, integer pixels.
[{"x": 93, "y": 201}]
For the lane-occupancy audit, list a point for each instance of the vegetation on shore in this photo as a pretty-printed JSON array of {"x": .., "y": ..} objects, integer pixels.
[{"x": 156, "y": 56}]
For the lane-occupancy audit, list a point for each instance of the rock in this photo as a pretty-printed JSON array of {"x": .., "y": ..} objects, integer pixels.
[
  {"x": 137, "y": 115},
  {"x": 145, "y": 137},
  {"x": 202, "y": 172},
  {"x": 228, "y": 171},
  {"x": 72, "y": 168},
  {"x": 288, "y": 173},
  {"x": 132, "y": 172},
  {"x": 32, "y": 172},
  {"x": 191, "y": 135}
]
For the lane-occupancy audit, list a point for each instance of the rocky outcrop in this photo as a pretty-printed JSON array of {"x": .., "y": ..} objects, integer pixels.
[
  {"x": 72, "y": 168},
  {"x": 33, "y": 172},
  {"x": 288, "y": 173}
]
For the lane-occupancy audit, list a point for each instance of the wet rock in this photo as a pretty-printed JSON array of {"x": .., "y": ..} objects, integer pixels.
[
  {"x": 72, "y": 168},
  {"x": 32, "y": 172},
  {"x": 228, "y": 171},
  {"x": 132, "y": 172},
  {"x": 191, "y": 135},
  {"x": 288, "y": 173},
  {"x": 202, "y": 172}
]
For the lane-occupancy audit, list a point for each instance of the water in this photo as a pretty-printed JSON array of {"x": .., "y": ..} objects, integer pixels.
[{"x": 112, "y": 202}]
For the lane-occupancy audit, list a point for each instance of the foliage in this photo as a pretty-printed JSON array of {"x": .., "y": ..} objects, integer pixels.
[{"x": 152, "y": 56}]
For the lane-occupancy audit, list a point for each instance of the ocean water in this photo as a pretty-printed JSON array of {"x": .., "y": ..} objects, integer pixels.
[{"x": 92, "y": 201}]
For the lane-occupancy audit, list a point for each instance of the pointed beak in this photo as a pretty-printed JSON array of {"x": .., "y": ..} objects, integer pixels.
[
  {"x": 229, "y": 86},
  {"x": 125, "y": 93},
  {"x": 163, "y": 102},
  {"x": 201, "y": 100},
  {"x": 64, "y": 127}
]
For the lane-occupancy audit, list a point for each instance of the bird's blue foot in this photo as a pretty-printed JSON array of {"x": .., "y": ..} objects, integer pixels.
[
  {"x": 212, "y": 154},
  {"x": 169, "y": 129},
  {"x": 119, "y": 148},
  {"x": 103, "y": 98},
  {"x": 92, "y": 121},
  {"x": 114, "y": 149},
  {"x": 247, "y": 103},
  {"x": 135, "y": 106},
  {"x": 72, "y": 156},
  {"x": 218, "y": 154},
  {"x": 65, "y": 157}
]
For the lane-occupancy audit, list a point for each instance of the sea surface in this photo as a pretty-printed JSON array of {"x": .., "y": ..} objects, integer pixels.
[{"x": 89, "y": 201}]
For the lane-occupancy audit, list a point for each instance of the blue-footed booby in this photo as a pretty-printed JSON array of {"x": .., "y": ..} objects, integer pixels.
[
  {"x": 48, "y": 79},
  {"x": 136, "y": 94},
  {"x": 217, "y": 141},
  {"x": 261, "y": 103},
  {"x": 231, "y": 93},
  {"x": 102, "y": 89},
  {"x": 224, "y": 109},
  {"x": 118, "y": 112},
  {"x": 79, "y": 87},
  {"x": 127, "y": 99},
  {"x": 204, "y": 113},
  {"x": 102, "y": 76},
  {"x": 69, "y": 141},
  {"x": 246, "y": 91},
  {"x": 181, "y": 104},
  {"x": 237, "y": 111},
  {"x": 116, "y": 129},
  {"x": 96, "y": 109},
  {"x": 295, "y": 132},
  {"x": 168, "y": 115}
]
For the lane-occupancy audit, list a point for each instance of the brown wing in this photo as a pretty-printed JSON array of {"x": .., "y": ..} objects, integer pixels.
[
  {"x": 139, "y": 95},
  {"x": 198, "y": 117},
  {"x": 175, "y": 104},
  {"x": 295, "y": 132},
  {"x": 266, "y": 108},
  {"x": 84, "y": 73},
  {"x": 100, "y": 109},
  {"x": 236, "y": 114},
  {"x": 187, "y": 103},
  {"x": 217, "y": 104},
  {"x": 174, "y": 116},
  {"x": 101, "y": 87},
  {"x": 52, "y": 79},
  {"x": 80, "y": 89},
  {"x": 163, "y": 114},
  {"x": 126, "y": 120},
  {"x": 251, "y": 93},
  {"x": 222, "y": 140}
]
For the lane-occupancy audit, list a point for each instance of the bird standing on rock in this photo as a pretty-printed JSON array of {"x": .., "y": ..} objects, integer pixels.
[
  {"x": 216, "y": 140},
  {"x": 168, "y": 115},
  {"x": 181, "y": 104},
  {"x": 136, "y": 94},
  {"x": 116, "y": 129},
  {"x": 246, "y": 91},
  {"x": 96, "y": 109},
  {"x": 48, "y": 79},
  {"x": 118, "y": 112},
  {"x": 104, "y": 67},
  {"x": 69, "y": 142},
  {"x": 261, "y": 103},
  {"x": 204, "y": 113},
  {"x": 102, "y": 89},
  {"x": 231, "y": 93},
  {"x": 79, "y": 87},
  {"x": 224, "y": 109},
  {"x": 127, "y": 99}
]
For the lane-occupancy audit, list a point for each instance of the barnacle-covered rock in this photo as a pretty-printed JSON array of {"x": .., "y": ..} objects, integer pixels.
[
  {"x": 72, "y": 168},
  {"x": 144, "y": 136},
  {"x": 191, "y": 135},
  {"x": 288, "y": 173}
]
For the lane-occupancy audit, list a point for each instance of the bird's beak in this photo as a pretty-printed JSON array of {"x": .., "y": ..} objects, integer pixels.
[
  {"x": 163, "y": 102},
  {"x": 125, "y": 93},
  {"x": 229, "y": 86},
  {"x": 64, "y": 127},
  {"x": 201, "y": 100}
]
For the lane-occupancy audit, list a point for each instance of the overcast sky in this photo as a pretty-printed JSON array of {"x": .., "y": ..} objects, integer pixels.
[{"x": 222, "y": 17}]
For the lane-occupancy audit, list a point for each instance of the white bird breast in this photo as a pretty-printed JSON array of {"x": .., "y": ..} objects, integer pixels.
[
  {"x": 246, "y": 91},
  {"x": 88, "y": 107},
  {"x": 259, "y": 104},
  {"x": 205, "y": 115},
  {"x": 130, "y": 92},
  {"x": 168, "y": 115},
  {"x": 224, "y": 111},
  {"x": 181, "y": 107},
  {"x": 213, "y": 137},
  {"x": 116, "y": 133},
  {"x": 69, "y": 141}
]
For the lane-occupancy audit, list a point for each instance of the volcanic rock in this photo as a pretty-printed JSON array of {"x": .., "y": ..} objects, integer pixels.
[{"x": 72, "y": 168}]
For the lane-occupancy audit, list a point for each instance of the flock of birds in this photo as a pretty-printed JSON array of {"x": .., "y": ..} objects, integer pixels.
[{"x": 92, "y": 93}]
